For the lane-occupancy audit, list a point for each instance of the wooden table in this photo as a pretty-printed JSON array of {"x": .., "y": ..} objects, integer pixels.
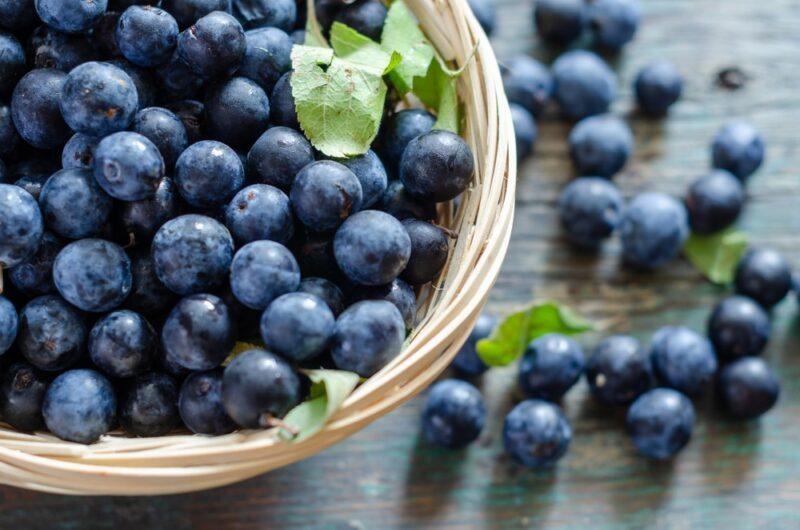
[{"x": 731, "y": 475}]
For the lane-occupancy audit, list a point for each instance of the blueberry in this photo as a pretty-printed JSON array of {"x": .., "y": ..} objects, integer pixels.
[
  {"x": 73, "y": 204},
  {"x": 192, "y": 115},
  {"x": 324, "y": 194},
  {"x": 79, "y": 151},
  {"x": 93, "y": 274},
  {"x": 12, "y": 62},
  {"x": 146, "y": 35},
  {"x": 714, "y": 201},
  {"x": 143, "y": 79},
  {"x": 52, "y": 334},
  {"x": 619, "y": 370},
  {"x": 200, "y": 404},
  {"x": 583, "y": 84},
  {"x": 280, "y": 14},
  {"x": 49, "y": 48},
  {"x": 397, "y": 292},
  {"x": 213, "y": 46},
  {"x": 398, "y": 131},
  {"x": 326, "y": 290},
  {"x": 278, "y": 156},
  {"x": 128, "y": 166},
  {"x": 267, "y": 56},
  {"x": 297, "y": 326},
  {"x": 371, "y": 174},
  {"x": 429, "y": 249},
  {"x": 259, "y": 387},
  {"x": 103, "y": 35},
  {"x": 282, "y": 107},
  {"x": 98, "y": 99},
  {"x": 9, "y": 139},
  {"x": 314, "y": 254},
  {"x": 70, "y": 16},
  {"x": 466, "y": 360},
  {"x": 261, "y": 271},
  {"x": 165, "y": 130},
  {"x": 143, "y": 218},
  {"x": 372, "y": 248},
  {"x": 9, "y": 324},
  {"x": 657, "y": 87},
  {"x": 660, "y": 423},
  {"x": 80, "y": 406},
  {"x": 186, "y": 12},
  {"x": 653, "y": 229},
  {"x": 738, "y": 327},
  {"x": 148, "y": 295},
  {"x": 614, "y": 22},
  {"x": 739, "y": 148},
  {"x": 525, "y": 130},
  {"x": 528, "y": 83},
  {"x": 32, "y": 175},
  {"x": 326, "y": 12},
  {"x": 17, "y": 14},
  {"x": 188, "y": 348},
  {"x": 683, "y": 359},
  {"x": 590, "y": 209},
  {"x": 35, "y": 110},
  {"x": 560, "y": 21},
  {"x": 536, "y": 433},
  {"x": 35, "y": 275},
  {"x": 364, "y": 16},
  {"x": 21, "y": 226},
  {"x": 367, "y": 336},
  {"x": 208, "y": 174},
  {"x": 748, "y": 388},
  {"x": 454, "y": 414},
  {"x": 22, "y": 390},
  {"x": 437, "y": 166},
  {"x": 485, "y": 13},
  {"x": 177, "y": 80},
  {"x": 600, "y": 145},
  {"x": 298, "y": 36},
  {"x": 397, "y": 202},
  {"x": 192, "y": 253},
  {"x": 260, "y": 212},
  {"x": 764, "y": 275},
  {"x": 551, "y": 365},
  {"x": 149, "y": 406},
  {"x": 237, "y": 112},
  {"x": 122, "y": 344}
]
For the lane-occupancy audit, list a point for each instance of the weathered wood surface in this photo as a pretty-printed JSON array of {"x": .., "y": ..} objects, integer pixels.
[{"x": 732, "y": 475}]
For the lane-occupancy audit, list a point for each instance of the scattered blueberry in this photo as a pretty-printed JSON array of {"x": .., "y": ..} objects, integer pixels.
[
  {"x": 324, "y": 194},
  {"x": 485, "y": 13},
  {"x": 466, "y": 360},
  {"x": 80, "y": 406},
  {"x": 536, "y": 433},
  {"x": 213, "y": 46},
  {"x": 122, "y": 344},
  {"x": 583, "y": 84},
  {"x": 590, "y": 209},
  {"x": 653, "y": 229},
  {"x": 600, "y": 145},
  {"x": 739, "y": 148},
  {"x": 748, "y": 388},
  {"x": 551, "y": 365},
  {"x": 560, "y": 21},
  {"x": 149, "y": 406},
  {"x": 437, "y": 166},
  {"x": 22, "y": 390},
  {"x": 367, "y": 336},
  {"x": 528, "y": 83},
  {"x": 93, "y": 274},
  {"x": 660, "y": 423},
  {"x": 614, "y": 22},
  {"x": 208, "y": 174},
  {"x": 165, "y": 130},
  {"x": 764, "y": 275},
  {"x": 714, "y": 201},
  {"x": 454, "y": 414},
  {"x": 146, "y": 35},
  {"x": 261, "y": 271},
  {"x": 683, "y": 359},
  {"x": 657, "y": 87},
  {"x": 128, "y": 166},
  {"x": 738, "y": 327},
  {"x": 372, "y": 248},
  {"x": 51, "y": 334},
  {"x": 200, "y": 404},
  {"x": 619, "y": 370},
  {"x": 21, "y": 226},
  {"x": 278, "y": 156},
  {"x": 525, "y": 130},
  {"x": 198, "y": 351}
]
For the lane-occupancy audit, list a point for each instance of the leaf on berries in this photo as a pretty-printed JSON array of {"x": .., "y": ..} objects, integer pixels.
[{"x": 401, "y": 34}]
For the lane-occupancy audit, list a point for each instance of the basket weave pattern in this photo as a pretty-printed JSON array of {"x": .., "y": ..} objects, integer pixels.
[{"x": 117, "y": 465}]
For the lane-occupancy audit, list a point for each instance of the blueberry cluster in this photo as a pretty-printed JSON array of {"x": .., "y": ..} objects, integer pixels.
[{"x": 159, "y": 203}]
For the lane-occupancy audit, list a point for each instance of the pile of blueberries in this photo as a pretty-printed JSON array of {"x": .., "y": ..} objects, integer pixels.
[
  {"x": 159, "y": 203},
  {"x": 657, "y": 382}
]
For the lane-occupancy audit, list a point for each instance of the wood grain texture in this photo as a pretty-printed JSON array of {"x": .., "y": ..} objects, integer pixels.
[{"x": 731, "y": 475}]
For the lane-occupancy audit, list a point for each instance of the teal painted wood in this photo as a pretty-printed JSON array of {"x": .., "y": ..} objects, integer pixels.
[{"x": 732, "y": 475}]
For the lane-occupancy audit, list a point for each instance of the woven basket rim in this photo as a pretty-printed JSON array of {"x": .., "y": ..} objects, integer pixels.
[{"x": 117, "y": 465}]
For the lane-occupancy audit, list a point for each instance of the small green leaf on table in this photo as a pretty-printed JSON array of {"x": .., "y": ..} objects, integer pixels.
[
  {"x": 401, "y": 34},
  {"x": 329, "y": 389},
  {"x": 511, "y": 337},
  {"x": 717, "y": 255}
]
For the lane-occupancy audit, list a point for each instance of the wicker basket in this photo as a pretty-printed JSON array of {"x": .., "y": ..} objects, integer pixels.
[{"x": 117, "y": 465}]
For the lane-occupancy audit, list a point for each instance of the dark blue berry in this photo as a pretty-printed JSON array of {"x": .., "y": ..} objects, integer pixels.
[
  {"x": 192, "y": 115},
  {"x": 123, "y": 344},
  {"x": 73, "y": 204},
  {"x": 560, "y": 21},
  {"x": 372, "y": 248},
  {"x": 657, "y": 87},
  {"x": 590, "y": 209},
  {"x": 364, "y": 16},
  {"x": 397, "y": 292},
  {"x": 192, "y": 254},
  {"x": 278, "y": 156},
  {"x": 9, "y": 324},
  {"x": 143, "y": 218},
  {"x": 748, "y": 388},
  {"x": 367, "y": 336},
  {"x": 429, "y": 249},
  {"x": 103, "y": 35},
  {"x": 583, "y": 84},
  {"x": 536, "y": 433},
  {"x": 683, "y": 359},
  {"x": 326, "y": 290},
  {"x": 660, "y": 423},
  {"x": 653, "y": 229},
  {"x": 259, "y": 387},
  {"x": 261, "y": 271},
  {"x": 143, "y": 80},
  {"x": 198, "y": 333},
  {"x": 22, "y": 390},
  {"x": 79, "y": 151},
  {"x": 149, "y": 405},
  {"x": 738, "y": 327},
  {"x": 237, "y": 111},
  {"x": 437, "y": 166},
  {"x": 764, "y": 275},
  {"x": 466, "y": 360},
  {"x": 9, "y": 139},
  {"x": 52, "y": 334},
  {"x": 165, "y": 130},
  {"x": 128, "y": 166},
  {"x": 454, "y": 414},
  {"x": 93, "y": 274},
  {"x": 398, "y": 131},
  {"x": 21, "y": 226},
  {"x": 70, "y": 16},
  {"x": 551, "y": 365},
  {"x": 614, "y": 22},
  {"x": 484, "y": 11},
  {"x": 177, "y": 80},
  {"x": 50, "y": 48},
  {"x": 280, "y": 14},
  {"x": 528, "y": 83},
  {"x": 186, "y": 12},
  {"x": 739, "y": 148},
  {"x": 600, "y": 145},
  {"x": 259, "y": 212},
  {"x": 282, "y": 108},
  {"x": 17, "y": 14},
  {"x": 324, "y": 194},
  {"x": 714, "y": 201},
  {"x": 80, "y": 406},
  {"x": 12, "y": 62},
  {"x": 397, "y": 202},
  {"x": 267, "y": 56},
  {"x": 32, "y": 182},
  {"x": 208, "y": 174},
  {"x": 525, "y": 130},
  {"x": 213, "y": 46},
  {"x": 618, "y": 370},
  {"x": 34, "y": 276},
  {"x": 148, "y": 295},
  {"x": 200, "y": 404},
  {"x": 35, "y": 111},
  {"x": 370, "y": 172},
  {"x": 297, "y": 326},
  {"x": 146, "y": 35}
]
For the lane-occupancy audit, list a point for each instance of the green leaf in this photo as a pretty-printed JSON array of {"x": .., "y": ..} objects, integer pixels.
[
  {"x": 511, "y": 337},
  {"x": 401, "y": 34},
  {"x": 437, "y": 90},
  {"x": 329, "y": 389},
  {"x": 361, "y": 50},
  {"x": 717, "y": 255},
  {"x": 339, "y": 101}
]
